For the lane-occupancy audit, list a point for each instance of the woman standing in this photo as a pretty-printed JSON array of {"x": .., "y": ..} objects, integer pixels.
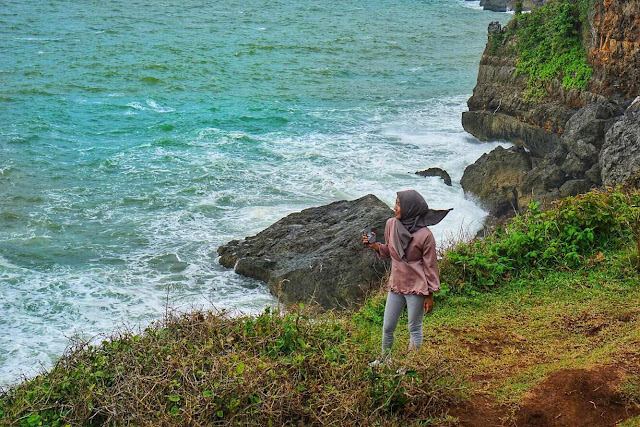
[{"x": 414, "y": 266}]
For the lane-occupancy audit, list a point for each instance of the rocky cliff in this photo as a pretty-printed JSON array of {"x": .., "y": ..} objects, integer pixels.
[
  {"x": 576, "y": 138},
  {"x": 499, "y": 108}
]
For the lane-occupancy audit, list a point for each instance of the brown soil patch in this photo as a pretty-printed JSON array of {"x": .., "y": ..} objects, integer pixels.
[
  {"x": 627, "y": 317},
  {"x": 585, "y": 323},
  {"x": 480, "y": 411},
  {"x": 575, "y": 397},
  {"x": 489, "y": 340}
]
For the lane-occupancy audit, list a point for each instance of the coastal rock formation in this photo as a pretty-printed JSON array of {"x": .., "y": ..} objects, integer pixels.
[
  {"x": 620, "y": 155},
  {"x": 436, "y": 172},
  {"x": 495, "y": 177},
  {"x": 615, "y": 49},
  {"x": 506, "y": 180},
  {"x": 498, "y": 109},
  {"x": 575, "y": 139},
  {"x": 316, "y": 254}
]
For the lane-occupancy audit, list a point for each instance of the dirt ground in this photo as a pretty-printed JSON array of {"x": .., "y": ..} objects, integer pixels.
[{"x": 567, "y": 398}]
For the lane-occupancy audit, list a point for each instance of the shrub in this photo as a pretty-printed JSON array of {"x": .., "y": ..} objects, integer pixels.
[
  {"x": 210, "y": 369},
  {"x": 558, "y": 238}
]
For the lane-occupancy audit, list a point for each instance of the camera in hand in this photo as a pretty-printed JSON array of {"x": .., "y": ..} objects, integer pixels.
[{"x": 367, "y": 232}]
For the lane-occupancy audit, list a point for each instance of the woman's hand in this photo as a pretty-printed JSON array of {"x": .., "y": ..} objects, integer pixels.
[
  {"x": 428, "y": 303},
  {"x": 365, "y": 240}
]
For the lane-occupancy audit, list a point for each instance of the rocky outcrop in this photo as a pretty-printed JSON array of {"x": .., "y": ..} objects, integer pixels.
[
  {"x": 498, "y": 109},
  {"x": 506, "y": 180},
  {"x": 436, "y": 172},
  {"x": 615, "y": 49},
  {"x": 620, "y": 156},
  {"x": 316, "y": 254},
  {"x": 495, "y": 177},
  {"x": 576, "y": 139}
]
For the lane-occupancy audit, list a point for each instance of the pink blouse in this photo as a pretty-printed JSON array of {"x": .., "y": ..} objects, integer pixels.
[{"x": 419, "y": 275}]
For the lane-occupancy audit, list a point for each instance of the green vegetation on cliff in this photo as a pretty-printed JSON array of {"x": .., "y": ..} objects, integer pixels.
[
  {"x": 566, "y": 305},
  {"x": 549, "y": 45},
  {"x": 563, "y": 237}
]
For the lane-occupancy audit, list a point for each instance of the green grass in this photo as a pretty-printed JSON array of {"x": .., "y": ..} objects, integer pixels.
[{"x": 302, "y": 367}]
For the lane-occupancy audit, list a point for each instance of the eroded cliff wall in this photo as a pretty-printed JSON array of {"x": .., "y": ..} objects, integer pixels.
[
  {"x": 615, "y": 49},
  {"x": 577, "y": 138},
  {"x": 499, "y": 109}
]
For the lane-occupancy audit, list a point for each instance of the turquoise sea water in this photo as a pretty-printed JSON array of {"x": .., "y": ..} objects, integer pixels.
[{"x": 136, "y": 137}]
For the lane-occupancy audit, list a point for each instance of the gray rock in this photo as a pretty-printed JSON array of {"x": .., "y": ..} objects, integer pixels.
[
  {"x": 316, "y": 254},
  {"x": 494, "y": 179},
  {"x": 584, "y": 136},
  {"x": 620, "y": 154},
  {"x": 494, "y": 26},
  {"x": 588, "y": 126},
  {"x": 546, "y": 176},
  {"x": 436, "y": 172},
  {"x": 574, "y": 187},
  {"x": 494, "y": 126},
  {"x": 574, "y": 166},
  {"x": 593, "y": 175}
]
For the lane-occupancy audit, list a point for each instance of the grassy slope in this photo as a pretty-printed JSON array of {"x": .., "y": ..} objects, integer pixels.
[{"x": 485, "y": 352}]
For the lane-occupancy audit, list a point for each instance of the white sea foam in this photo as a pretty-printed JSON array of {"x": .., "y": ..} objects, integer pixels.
[
  {"x": 159, "y": 108},
  {"x": 472, "y": 4},
  {"x": 136, "y": 105}
]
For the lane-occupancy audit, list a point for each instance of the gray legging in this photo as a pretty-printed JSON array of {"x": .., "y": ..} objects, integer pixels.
[{"x": 392, "y": 311}]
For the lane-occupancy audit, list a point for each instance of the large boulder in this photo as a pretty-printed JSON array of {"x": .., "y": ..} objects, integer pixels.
[
  {"x": 495, "y": 177},
  {"x": 620, "y": 155},
  {"x": 584, "y": 136},
  {"x": 316, "y": 254}
]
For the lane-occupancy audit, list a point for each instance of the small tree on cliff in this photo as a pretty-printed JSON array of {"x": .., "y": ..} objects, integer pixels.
[{"x": 518, "y": 7}]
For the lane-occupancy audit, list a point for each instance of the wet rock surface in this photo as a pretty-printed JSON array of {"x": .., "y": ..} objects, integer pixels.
[
  {"x": 495, "y": 177},
  {"x": 436, "y": 172},
  {"x": 315, "y": 255}
]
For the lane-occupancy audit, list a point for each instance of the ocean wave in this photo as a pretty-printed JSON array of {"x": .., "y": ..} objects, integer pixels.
[{"x": 159, "y": 108}]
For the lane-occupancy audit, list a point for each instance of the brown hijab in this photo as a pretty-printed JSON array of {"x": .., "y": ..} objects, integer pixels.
[{"x": 415, "y": 214}]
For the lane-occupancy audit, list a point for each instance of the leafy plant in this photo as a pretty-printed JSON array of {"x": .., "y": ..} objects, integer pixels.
[{"x": 558, "y": 238}]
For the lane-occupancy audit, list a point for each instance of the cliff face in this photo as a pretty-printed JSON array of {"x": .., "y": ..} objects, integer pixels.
[
  {"x": 615, "y": 49},
  {"x": 577, "y": 139},
  {"x": 498, "y": 108}
]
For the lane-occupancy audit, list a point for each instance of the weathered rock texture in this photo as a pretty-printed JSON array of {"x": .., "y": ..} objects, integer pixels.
[
  {"x": 498, "y": 109},
  {"x": 615, "y": 49},
  {"x": 495, "y": 177},
  {"x": 316, "y": 254},
  {"x": 508, "y": 180},
  {"x": 620, "y": 155}
]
